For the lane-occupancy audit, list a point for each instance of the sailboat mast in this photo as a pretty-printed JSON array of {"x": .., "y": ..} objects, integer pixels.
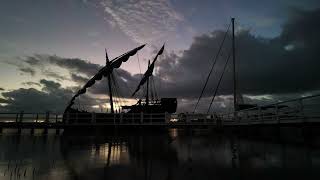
[
  {"x": 109, "y": 83},
  {"x": 147, "y": 95},
  {"x": 234, "y": 68}
]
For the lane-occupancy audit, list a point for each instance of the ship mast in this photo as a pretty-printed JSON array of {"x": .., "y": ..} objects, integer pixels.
[
  {"x": 109, "y": 83},
  {"x": 234, "y": 69},
  {"x": 147, "y": 95}
]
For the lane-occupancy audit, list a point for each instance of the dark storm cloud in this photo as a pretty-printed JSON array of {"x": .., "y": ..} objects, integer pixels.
[
  {"x": 285, "y": 64},
  {"x": 302, "y": 28},
  {"x": 29, "y": 83},
  {"x": 52, "y": 97},
  {"x": 81, "y": 70},
  {"x": 74, "y": 64},
  {"x": 79, "y": 79},
  {"x": 3, "y": 100},
  {"x": 50, "y": 86},
  {"x": 33, "y": 60},
  {"x": 27, "y": 70},
  {"x": 52, "y": 74},
  {"x": 33, "y": 100}
]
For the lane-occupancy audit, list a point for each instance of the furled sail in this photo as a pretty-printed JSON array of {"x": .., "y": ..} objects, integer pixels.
[
  {"x": 115, "y": 63},
  {"x": 149, "y": 71}
]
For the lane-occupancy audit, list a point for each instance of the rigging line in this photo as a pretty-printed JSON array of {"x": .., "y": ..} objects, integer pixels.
[
  {"x": 215, "y": 60},
  {"x": 139, "y": 64},
  {"x": 125, "y": 83},
  {"x": 155, "y": 88},
  {"x": 159, "y": 82},
  {"x": 116, "y": 84},
  {"x": 152, "y": 88},
  {"x": 120, "y": 94},
  {"x": 113, "y": 90},
  {"x": 107, "y": 83},
  {"x": 216, "y": 89},
  {"x": 117, "y": 91}
]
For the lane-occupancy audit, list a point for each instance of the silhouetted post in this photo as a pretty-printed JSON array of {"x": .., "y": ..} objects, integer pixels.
[
  {"x": 141, "y": 117},
  {"x": 150, "y": 118},
  {"x": 21, "y": 116},
  {"x": 17, "y": 117},
  {"x": 301, "y": 113},
  {"x": 93, "y": 118},
  {"x": 57, "y": 128},
  {"x": 56, "y": 118},
  {"x": 277, "y": 114},
  {"x": 32, "y": 128},
  {"x": 260, "y": 114},
  {"x": 121, "y": 118},
  {"x": 45, "y": 131},
  {"x": 47, "y": 117},
  {"x": 20, "y": 121}
]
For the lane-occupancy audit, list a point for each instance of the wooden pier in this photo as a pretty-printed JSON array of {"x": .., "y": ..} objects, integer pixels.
[{"x": 302, "y": 112}]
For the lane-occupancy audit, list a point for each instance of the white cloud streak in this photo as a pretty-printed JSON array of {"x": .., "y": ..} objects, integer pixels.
[{"x": 143, "y": 20}]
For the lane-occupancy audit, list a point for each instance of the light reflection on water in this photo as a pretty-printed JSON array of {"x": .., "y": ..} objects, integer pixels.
[{"x": 173, "y": 155}]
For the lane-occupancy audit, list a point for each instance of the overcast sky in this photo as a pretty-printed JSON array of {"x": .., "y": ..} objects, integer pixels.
[{"x": 48, "y": 48}]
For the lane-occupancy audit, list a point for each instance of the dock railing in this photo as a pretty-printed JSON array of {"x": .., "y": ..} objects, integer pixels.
[
  {"x": 85, "y": 118},
  {"x": 300, "y": 110}
]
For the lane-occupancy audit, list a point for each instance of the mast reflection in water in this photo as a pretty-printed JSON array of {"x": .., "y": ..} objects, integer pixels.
[{"x": 173, "y": 155}]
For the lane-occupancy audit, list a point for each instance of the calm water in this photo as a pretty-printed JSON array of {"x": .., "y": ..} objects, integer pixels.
[{"x": 159, "y": 156}]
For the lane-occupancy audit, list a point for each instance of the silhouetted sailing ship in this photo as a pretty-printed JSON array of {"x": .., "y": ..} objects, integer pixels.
[{"x": 164, "y": 105}]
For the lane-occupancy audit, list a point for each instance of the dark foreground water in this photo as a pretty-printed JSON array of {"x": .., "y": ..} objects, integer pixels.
[{"x": 161, "y": 156}]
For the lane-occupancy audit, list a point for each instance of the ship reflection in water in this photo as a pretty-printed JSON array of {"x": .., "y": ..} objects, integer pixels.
[{"x": 176, "y": 155}]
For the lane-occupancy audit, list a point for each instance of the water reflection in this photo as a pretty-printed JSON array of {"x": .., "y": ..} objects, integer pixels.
[{"x": 165, "y": 156}]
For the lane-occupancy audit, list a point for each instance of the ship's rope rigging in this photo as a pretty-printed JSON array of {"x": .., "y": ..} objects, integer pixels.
[
  {"x": 139, "y": 64},
  {"x": 103, "y": 72},
  {"x": 115, "y": 93},
  {"x": 153, "y": 90},
  {"x": 238, "y": 102},
  {"x": 218, "y": 85},
  {"x": 212, "y": 67},
  {"x": 148, "y": 74}
]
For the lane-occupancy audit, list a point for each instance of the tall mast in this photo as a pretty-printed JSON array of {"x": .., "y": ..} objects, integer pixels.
[
  {"x": 147, "y": 95},
  {"x": 109, "y": 83},
  {"x": 234, "y": 69}
]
